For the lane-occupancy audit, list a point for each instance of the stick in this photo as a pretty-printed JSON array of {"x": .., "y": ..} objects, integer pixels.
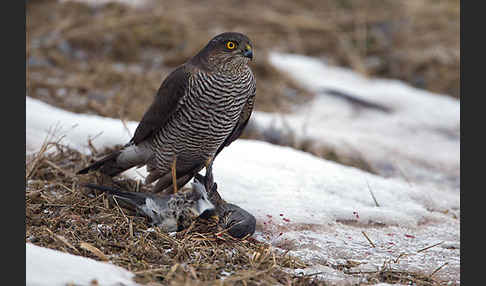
[
  {"x": 126, "y": 218},
  {"x": 424, "y": 249},
  {"x": 372, "y": 195},
  {"x": 438, "y": 268},
  {"x": 369, "y": 240}
]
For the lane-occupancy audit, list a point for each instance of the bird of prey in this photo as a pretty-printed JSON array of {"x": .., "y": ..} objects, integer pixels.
[
  {"x": 173, "y": 212},
  {"x": 200, "y": 108}
]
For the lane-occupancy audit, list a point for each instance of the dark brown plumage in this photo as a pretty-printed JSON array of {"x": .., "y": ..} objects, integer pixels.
[{"x": 200, "y": 108}]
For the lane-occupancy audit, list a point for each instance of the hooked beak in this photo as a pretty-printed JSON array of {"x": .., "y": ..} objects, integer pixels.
[{"x": 247, "y": 52}]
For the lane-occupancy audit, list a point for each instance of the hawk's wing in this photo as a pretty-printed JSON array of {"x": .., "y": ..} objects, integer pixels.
[
  {"x": 242, "y": 122},
  {"x": 165, "y": 103}
]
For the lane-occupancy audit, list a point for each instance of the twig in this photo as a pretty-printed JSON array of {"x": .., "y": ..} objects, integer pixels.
[
  {"x": 369, "y": 240},
  {"x": 62, "y": 239},
  {"x": 94, "y": 250},
  {"x": 438, "y": 268},
  {"x": 130, "y": 228},
  {"x": 65, "y": 187},
  {"x": 93, "y": 149},
  {"x": 126, "y": 218},
  {"x": 403, "y": 254},
  {"x": 428, "y": 247},
  {"x": 372, "y": 195},
  {"x": 106, "y": 203},
  {"x": 164, "y": 235}
]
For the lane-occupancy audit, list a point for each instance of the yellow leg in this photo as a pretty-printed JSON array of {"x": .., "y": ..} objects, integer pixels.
[
  {"x": 174, "y": 177},
  {"x": 208, "y": 162},
  {"x": 208, "y": 178}
]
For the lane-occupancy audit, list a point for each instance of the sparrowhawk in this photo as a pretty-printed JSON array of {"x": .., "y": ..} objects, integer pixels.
[{"x": 200, "y": 108}]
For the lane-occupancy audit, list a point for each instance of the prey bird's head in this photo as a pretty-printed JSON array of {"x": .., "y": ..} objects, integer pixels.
[
  {"x": 190, "y": 204},
  {"x": 228, "y": 51},
  {"x": 200, "y": 196}
]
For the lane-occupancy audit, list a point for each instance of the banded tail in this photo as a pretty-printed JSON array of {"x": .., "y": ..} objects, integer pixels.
[{"x": 119, "y": 161}]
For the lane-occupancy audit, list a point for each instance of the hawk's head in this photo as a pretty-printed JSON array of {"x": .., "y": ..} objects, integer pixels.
[{"x": 227, "y": 51}]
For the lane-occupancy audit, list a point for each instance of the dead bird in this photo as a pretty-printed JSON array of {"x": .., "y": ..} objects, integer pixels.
[
  {"x": 236, "y": 221},
  {"x": 173, "y": 212}
]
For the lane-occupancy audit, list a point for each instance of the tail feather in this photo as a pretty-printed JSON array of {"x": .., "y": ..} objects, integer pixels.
[
  {"x": 119, "y": 161},
  {"x": 107, "y": 165}
]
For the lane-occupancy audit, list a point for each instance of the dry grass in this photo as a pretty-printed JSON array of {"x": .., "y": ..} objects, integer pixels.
[{"x": 61, "y": 215}]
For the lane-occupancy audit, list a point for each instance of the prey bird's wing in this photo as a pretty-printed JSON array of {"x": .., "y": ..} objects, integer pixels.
[
  {"x": 242, "y": 122},
  {"x": 164, "y": 105}
]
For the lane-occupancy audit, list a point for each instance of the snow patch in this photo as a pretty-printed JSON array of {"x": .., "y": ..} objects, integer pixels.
[
  {"x": 44, "y": 121},
  {"x": 415, "y": 137},
  {"x": 48, "y": 267}
]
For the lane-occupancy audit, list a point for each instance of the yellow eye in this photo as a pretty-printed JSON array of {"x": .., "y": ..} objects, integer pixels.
[{"x": 230, "y": 45}]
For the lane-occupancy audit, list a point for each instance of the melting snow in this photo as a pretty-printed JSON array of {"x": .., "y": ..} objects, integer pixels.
[
  {"x": 416, "y": 138},
  {"x": 48, "y": 267}
]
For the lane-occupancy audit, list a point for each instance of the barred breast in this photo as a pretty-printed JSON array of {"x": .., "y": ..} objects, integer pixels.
[{"x": 205, "y": 116}]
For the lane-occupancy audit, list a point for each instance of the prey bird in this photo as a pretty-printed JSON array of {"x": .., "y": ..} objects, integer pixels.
[
  {"x": 200, "y": 108},
  {"x": 236, "y": 221},
  {"x": 172, "y": 212}
]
